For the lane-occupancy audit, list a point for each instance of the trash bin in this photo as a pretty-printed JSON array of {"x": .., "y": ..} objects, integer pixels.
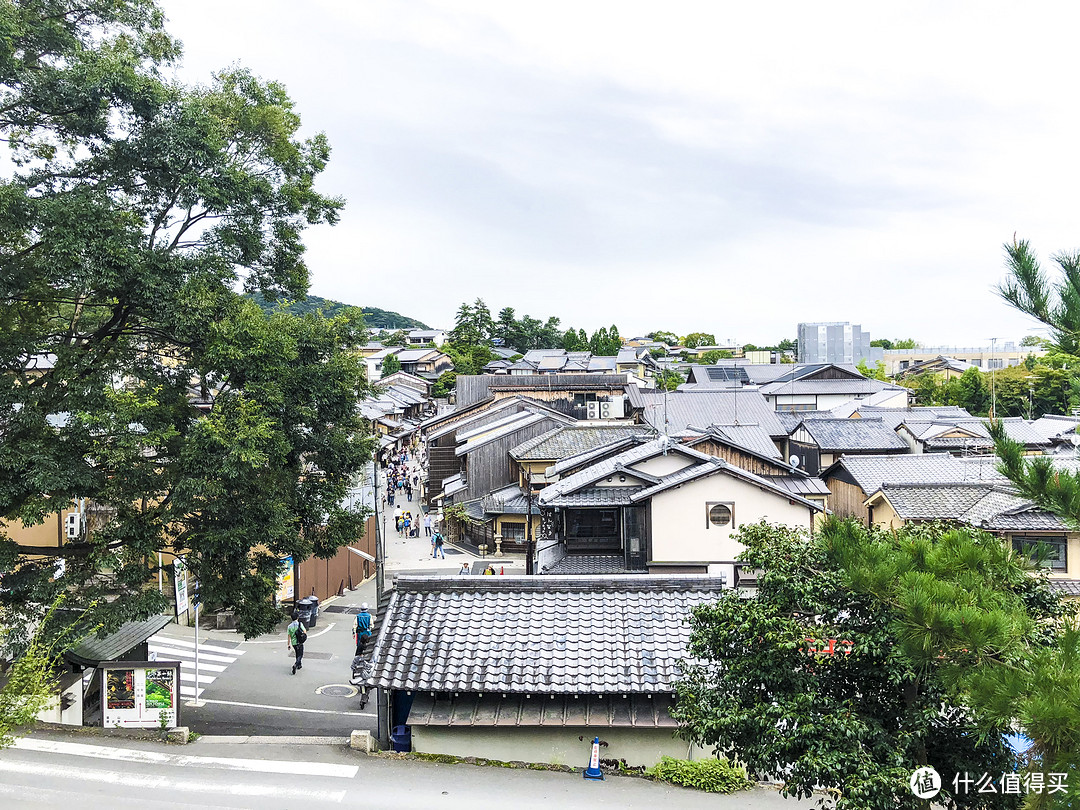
[
  {"x": 305, "y": 611},
  {"x": 401, "y": 739},
  {"x": 314, "y": 610}
]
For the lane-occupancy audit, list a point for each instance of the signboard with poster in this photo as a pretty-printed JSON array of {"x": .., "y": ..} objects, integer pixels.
[
  {"x": 135, "y": 693},
  {"x": 180, "y": 580},
  {"x": 285, "y": 588}
]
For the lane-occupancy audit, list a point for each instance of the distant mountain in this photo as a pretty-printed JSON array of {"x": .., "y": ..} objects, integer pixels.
[{"x": 373, "y": 316}]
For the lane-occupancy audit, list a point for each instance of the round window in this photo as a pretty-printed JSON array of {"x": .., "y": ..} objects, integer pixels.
[{"x": 720, "y": 515}]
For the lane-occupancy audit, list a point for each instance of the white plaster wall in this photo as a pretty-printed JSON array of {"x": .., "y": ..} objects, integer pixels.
[
  {"x": 664, "y": 465},
  {"x": 555, "y": 745},
  {"x": 679, "y": 530}
]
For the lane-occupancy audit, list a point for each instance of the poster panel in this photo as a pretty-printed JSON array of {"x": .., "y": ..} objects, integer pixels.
[
  {"x": 180, "y": 579},
  {"x": 137, "y": 693},
  {"x": 285, "y": 584}
]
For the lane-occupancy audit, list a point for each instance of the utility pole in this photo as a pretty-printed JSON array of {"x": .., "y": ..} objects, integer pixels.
[
  {"x": 378, "y": 532},
  {"x": 993, "y": 377},
  {"x": 529, "y": 567}
]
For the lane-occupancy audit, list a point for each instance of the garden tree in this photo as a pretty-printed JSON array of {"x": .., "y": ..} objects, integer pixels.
[
  {"x": 133, "y": 210},
  {"x": 883, "y": 343},
  {"x": 670, "y": 338},
  {"x": 865, "y": 655},
  {"x": 550, "y": 336},
  {"x": 398, "y": 338},
  {"x": 390, "y": 364},
  {"x": 572, "y": 342},
  {"x": 905, "y": 344},
  {"x": 472, "y": 324},
  {"x": 970, "y": 391},
  {"x": 504, "y": 326},
  {"x": 876, "y": 373},
  {"x": 668, "y": 379},
  {"x": 695, "y": 339},
  {"x": 1033, "y": 340},
  {"x": 444, "y": 385},
  {"x": 716, "y": 355},
  {"x": 605, "y": 342},
  {"x": 468, "y": 359}
]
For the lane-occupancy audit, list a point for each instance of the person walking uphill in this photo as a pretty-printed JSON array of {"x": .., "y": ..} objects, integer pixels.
[
  {"x": 297, "y": 635},
  {"x": 362, "y": 631}
]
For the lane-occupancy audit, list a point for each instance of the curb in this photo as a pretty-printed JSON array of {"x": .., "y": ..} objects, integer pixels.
[{"x": 227, "y": 739}]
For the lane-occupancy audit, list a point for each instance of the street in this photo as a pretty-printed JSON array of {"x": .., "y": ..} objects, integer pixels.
[{"x": 68, "y": 770}]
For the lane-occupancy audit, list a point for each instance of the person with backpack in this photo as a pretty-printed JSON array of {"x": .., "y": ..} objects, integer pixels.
[
  {"x": 437, "y": 542},
  {"x": 362, "y": 631},
  {"x": 297, "y": 635}
]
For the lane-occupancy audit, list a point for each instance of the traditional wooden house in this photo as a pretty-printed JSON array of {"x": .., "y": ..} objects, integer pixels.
[{"x": 533, "y": 668}]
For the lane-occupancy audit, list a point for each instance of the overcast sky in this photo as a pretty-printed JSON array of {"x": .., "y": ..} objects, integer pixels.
[{"x": 733, "y": 168}]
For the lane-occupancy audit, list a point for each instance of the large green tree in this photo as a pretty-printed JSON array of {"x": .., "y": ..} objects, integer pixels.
[
  {"x": 865, "y": 655},
  {"x": 135, "y": 378}
]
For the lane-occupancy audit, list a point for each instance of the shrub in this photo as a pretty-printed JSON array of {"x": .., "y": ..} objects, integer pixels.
[{"x": 709, "y": 775}]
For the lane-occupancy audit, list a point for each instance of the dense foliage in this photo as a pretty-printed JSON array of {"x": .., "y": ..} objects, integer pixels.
[
  {"x": 708, "y": 775},
  {"x": 868, "y": 654},
  {"x": 374, "y": 318},
  {"x": 135, "y": 379}
]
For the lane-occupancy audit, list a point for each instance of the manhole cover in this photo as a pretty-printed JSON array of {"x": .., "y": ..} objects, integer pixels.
[{"x": 337, "y": 690}]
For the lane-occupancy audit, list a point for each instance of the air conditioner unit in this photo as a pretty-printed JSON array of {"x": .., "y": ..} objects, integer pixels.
[
  {"x": 592, "y": 410},
  {"x": 605, "y": 410},
  {"x": 71, "y": 523}
]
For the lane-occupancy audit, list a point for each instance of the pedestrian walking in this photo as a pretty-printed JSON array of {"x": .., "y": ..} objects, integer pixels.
[
  {"x": 439, "y": 546},
  {"x": 362, "y": 630},
  {"x": 405, "y": 522},
  {"x": 408, "y": 492},
  {"x": 427, "y": 525},
  {"x": 296, "y": 636},
  {"x": 399, "y": 521},
  {"x": 465, "y": 569}
]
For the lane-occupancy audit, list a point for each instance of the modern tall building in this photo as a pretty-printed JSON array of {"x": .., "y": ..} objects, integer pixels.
[{"x": 834, "y": 343}]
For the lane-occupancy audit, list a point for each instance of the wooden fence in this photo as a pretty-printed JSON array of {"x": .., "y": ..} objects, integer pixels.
[{"x": 325, "y": 578}]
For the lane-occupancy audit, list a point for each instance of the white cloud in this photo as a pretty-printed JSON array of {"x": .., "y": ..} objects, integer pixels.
[{"x": 733, "y": 167}]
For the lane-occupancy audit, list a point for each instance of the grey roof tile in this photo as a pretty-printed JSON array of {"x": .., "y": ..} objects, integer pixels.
[
  {"x": 842, "y": 435},
  {"x": 872, "y": 471},
  {"x": 538, "y": 635},
  {"x": 590, "y": 564},
  {"x": 1069, "y": 587},
  {"x": 704, "y": 408},
  {"x": 595, "y": 496},
  {"x": 574, "y": 439}
]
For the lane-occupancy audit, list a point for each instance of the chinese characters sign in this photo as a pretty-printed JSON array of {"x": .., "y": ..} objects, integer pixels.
[{"x": 135, "y": 693}]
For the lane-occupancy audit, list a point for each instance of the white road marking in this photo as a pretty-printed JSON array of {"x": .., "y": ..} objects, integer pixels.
[
  {"x": 322, "y": 632},
  {"x": 290, "y": 708},
  {"x": 184, "y": 760},
  {"x": 168, "y": 653},
  {"x": 183, "y": 642},
  {"x": 164, "y": 783},
  {"x": 203, "y": 667}
]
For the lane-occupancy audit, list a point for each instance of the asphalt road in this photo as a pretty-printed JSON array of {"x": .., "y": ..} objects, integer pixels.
[{"x": 68, "y": 770}]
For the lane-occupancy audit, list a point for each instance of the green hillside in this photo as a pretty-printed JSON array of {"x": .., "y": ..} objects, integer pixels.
[{"x": 373, "y": 316}]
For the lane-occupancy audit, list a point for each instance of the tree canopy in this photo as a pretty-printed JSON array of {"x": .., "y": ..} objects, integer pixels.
[
  {"x": 136, "y": 380},
  {"x": 866, "y": 654}
]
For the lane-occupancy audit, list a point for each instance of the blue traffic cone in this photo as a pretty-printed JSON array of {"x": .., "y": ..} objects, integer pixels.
[{"x": 593, "y": 771}]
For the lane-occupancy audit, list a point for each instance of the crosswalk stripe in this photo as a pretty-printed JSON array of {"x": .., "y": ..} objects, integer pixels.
[
  {"x": 203, "y": 666},
  {"x": 190, "y": 691},
  {"x": 189, "y": 655},
  {"x": 183, "y": 642},
  {"x": 114, "y": 753}
]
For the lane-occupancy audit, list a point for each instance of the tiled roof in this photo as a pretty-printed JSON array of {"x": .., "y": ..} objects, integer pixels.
[
  {"x": 511, "y": 500},
  {"x": 590, "y": 564},
  {"x": 616, "y": 446},
  {"x": 871, "y": 472},
  {"x": 610, "y": 466},
  {"x": 573, "y": 439},
  {"x": 1069, "y": 587},
  {"x": 894, "y": 417},
  {"x": 801, "y": 484},
  {"x": 594, "y": 496},
  {"x": 750, "y": 437},
  {"x": 981, "y": 505},
  {"x": 933, "y": 501},
  {"x": 711, "y": 407},
  {"x": 840, "y": 435},
  {"x": 792, "y": 419},
  {"x": 1052, "y": 426},
  {"x": 545, "y": 635}
]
